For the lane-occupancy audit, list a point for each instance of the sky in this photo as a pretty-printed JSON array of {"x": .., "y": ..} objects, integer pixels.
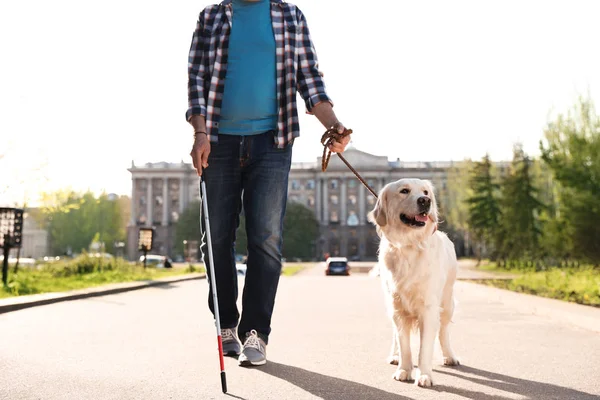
[{"x": 87, "y": 87}]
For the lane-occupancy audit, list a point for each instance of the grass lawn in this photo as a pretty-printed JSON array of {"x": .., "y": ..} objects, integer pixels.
[
  {"x": 579, "y": 285},
  {"x": 82, "y": 272},
  {"x": 293, "y": 269}
]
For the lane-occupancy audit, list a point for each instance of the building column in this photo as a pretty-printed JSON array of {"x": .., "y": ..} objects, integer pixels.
[
  {"x": 343, "y": 203},
  {"x": 325, "y": 201},
  {"x": 134, "y": 203},
  {"x": 361, "y": 205},
  {"x": 318, "y": 200},
  {"x": 165, "y": 210},
  {"x": 182, "y": 183},
  {"x": 362, "y": 242},
  {"x": 149, "y": 202}
]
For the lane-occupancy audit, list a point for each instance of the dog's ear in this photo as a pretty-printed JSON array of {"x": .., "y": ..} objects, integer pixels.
[
  {"x": 378, "y": 215},
  {"x": 434, "y": 209}
]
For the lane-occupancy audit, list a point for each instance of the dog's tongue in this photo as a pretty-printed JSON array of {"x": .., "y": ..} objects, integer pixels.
[{"x": 421, "y": 218}]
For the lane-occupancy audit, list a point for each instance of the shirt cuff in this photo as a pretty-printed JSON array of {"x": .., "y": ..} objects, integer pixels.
[
  {"x": 196, "y": 110},
  {"x": 316, "y": 99}
]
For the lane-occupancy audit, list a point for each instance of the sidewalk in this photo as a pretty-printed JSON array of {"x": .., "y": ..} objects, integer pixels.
[
  {"x": 21, "y": 302},
  {"x": 467, "y": 271}
]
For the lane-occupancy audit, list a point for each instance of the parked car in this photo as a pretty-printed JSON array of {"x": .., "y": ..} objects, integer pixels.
[
  {"x": 158, "y": 261},
  {"x": 337, "y": 266}
]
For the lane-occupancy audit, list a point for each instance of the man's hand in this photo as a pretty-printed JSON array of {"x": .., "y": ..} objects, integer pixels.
[
  {"x": 338, "y": 146},
  {"x": 200, "y": 152}
]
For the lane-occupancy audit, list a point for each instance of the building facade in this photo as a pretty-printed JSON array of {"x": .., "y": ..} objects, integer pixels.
[
  {"x": 162, "y": 191},
  {"x": 159, "y": 195}
]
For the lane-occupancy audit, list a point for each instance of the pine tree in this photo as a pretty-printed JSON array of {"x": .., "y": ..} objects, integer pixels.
[
  {"x": 484, "y": 210},
  {"x": 519, "y": 232}
]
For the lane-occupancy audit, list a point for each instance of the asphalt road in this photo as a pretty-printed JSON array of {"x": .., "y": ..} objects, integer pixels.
[{"x": 330, "y": 340}]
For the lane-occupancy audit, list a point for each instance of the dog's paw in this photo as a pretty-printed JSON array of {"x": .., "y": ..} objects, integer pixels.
[
  {"x": 424, "y": 380},
  {"x": 402, "y": 375},
  {"x": 451, "y": 361},
  {"x": 394, "y": 360}
]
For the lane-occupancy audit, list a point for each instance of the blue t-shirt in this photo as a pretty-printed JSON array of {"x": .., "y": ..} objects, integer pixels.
[{"x": 250, "y": 97}]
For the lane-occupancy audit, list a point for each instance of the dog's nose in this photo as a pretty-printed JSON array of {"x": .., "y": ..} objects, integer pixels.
[{"x": 424, "y": 202}]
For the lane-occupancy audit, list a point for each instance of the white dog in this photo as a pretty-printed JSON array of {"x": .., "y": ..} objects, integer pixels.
[{"x": 417, "y": 266}]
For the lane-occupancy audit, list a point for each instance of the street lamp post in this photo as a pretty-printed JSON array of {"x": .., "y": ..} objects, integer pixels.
[
  {"x": 145, "y": 241},
  {"x": 11, "y": 233}
]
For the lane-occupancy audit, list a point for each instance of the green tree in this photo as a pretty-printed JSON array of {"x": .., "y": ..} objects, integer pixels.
[
  {"x": 519, "y": 233},
  {"x": 73, "y": 220},
  {"x": 188, "y": 228},
  {"x": 571, "y": 148},
  {"x": 453, "y": 206},
  {"x": 484, "y": 210},
  {"x": 300, "y": 231}
]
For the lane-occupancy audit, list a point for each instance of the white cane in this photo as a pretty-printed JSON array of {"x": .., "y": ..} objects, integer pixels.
[{"x": 213, "y": 282}]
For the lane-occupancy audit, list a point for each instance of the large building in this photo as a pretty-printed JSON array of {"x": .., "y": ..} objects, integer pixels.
[{"x": 162, "y": 191}]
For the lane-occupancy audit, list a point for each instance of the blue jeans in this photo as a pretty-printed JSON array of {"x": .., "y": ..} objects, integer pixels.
[{"x": 248, "y": 172}]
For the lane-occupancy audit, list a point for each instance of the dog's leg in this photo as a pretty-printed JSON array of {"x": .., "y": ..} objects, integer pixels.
[
  {"x": 394, "y": 357},
  {"x": 404, "y": 371},
  {"x": 428, "y": 327},
  {"x": 445, "y": 319}
]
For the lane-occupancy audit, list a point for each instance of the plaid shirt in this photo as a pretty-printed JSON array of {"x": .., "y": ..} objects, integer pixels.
[{"x": 297, "y": 67}]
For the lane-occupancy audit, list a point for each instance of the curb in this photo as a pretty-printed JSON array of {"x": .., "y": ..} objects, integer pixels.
[{"x": 22, "y": 302}]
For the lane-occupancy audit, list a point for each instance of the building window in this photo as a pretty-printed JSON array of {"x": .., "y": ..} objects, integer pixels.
[
  {"x": 352, "y": 219},
  {"x": 310, "y": 184},
  {"x": 333, "y": 184},
  {"x": 174, "y": 216},
  {"x": 311, "y": 201},
  {"x": 296, "y": 185},
  {"x": 352, "y": 183},
  {"x": 352, "y": 200},
  {"x": 142, "y": 200},
  {"x": 372, "y": 182},
  {"x": 159, "y": 200},
  {"x": 333, "y": 217},
  {"x": 334, "y": 199}
]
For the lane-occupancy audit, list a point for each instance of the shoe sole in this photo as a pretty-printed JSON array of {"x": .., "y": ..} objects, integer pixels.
[{"x": 248, "y": 363}]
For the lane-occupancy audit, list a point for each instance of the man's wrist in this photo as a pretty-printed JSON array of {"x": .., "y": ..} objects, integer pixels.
[{"x": 199, "y": 133}]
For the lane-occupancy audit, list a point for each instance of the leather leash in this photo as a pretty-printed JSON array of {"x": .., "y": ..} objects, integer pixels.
[{"x": 329, "y": 137}]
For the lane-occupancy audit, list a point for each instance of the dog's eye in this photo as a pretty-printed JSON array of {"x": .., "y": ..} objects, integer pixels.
[
  {"x": 426, "y": 193},
  {"x": 405, "y": 191}
]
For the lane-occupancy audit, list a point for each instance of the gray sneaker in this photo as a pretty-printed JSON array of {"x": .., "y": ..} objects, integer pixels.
[
  {"x": 231, "y": 344},
  {"x": 254, "y": 352}
]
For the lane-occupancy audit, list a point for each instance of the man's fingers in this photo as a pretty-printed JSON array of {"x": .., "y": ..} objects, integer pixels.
[
  {"x": 336, "y": 147},
  {"x": 193, "y": 154},
  {"x": 205, "y": 154},
  {"x": 196, "y": 159}
]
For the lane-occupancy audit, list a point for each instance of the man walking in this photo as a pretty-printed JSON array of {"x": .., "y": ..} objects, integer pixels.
[{"x": 247, "y": 60}]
